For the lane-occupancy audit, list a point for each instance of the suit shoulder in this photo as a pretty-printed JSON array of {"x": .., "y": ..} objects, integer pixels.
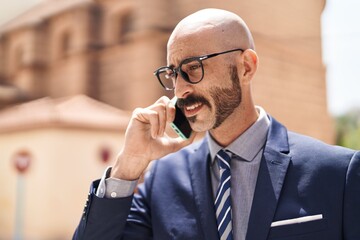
[{"x": 304, "y": 144}]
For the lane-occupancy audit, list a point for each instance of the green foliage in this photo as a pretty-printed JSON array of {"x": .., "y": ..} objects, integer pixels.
[{"x": 348, "y": 130}]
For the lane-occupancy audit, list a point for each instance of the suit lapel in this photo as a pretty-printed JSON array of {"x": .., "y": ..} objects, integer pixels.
[
  {"x": 270, "y": 180},
  {"x": 199, "y": 169}
]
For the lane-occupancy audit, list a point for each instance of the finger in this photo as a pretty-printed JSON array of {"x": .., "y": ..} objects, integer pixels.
[
  {"x": 158, "y": 120},
  {"x": 148, "y": 116},
  {"x": 163, "y": 99},
  {"x": 179, "y": 142},
  {"x": 160, "y": 108},
  {"x": 170, "y": 112},
  {"x": 162, "y": 119},
  {"x": 140, "y": 114},
  {"x": 137, "y": 113},
  {"x": 190, "y": 139},
  {"x": 153, "y": 117},
  {"x": 170, "y": 108}
]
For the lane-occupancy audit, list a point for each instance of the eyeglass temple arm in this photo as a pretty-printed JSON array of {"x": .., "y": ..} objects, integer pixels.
[{"x": 219, "y": 53}]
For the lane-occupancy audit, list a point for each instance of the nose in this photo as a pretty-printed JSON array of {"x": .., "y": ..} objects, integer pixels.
[{"x": 182, "y": 88}]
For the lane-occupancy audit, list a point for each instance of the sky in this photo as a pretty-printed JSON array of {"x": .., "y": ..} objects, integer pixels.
[
  {"x": 340, "y": 47},
  {"x": 341, "y": 52}
]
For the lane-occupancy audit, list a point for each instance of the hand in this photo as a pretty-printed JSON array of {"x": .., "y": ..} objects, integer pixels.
[{"x": 146, "y": 140}]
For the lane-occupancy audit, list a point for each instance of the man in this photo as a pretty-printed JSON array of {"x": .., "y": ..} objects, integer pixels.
[{"x": 249, "y": 178}]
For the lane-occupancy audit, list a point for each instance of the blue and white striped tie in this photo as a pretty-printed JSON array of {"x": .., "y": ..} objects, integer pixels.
[{"x": 223, "y": 199}]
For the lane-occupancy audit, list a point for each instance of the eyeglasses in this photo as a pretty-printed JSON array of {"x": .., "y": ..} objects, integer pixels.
[{"x": 190, "y": 69}]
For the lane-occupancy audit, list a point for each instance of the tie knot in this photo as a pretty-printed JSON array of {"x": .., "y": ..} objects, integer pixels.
[{"x": 223, "y": 159}]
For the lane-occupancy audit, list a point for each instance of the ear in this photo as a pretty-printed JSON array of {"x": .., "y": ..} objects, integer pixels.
[{"x": 250, "y": 64}]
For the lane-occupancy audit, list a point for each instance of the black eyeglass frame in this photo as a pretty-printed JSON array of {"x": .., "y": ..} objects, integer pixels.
[{"x": 184, "y": 75}]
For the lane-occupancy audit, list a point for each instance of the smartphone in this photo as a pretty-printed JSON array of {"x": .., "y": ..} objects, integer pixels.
[{"x": 180, "y": 124}]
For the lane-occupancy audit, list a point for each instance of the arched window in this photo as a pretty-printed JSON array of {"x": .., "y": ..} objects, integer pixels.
[
  {"x": 65, "y": 45},
  {"x": 124, "y": 26},
  {"x": 19, "y": 60}
]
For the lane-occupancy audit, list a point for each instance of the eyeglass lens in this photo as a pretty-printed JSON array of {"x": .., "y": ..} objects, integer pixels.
[{"x": 191, "y": 70}]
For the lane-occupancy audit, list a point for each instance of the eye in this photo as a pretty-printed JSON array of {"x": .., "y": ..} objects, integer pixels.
[{"x": 192, "y": 66}]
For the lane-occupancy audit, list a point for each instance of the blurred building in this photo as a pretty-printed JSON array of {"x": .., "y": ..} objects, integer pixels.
[
  {"x": 108, "y": 50},
  {"x": 65, "y": 144}
]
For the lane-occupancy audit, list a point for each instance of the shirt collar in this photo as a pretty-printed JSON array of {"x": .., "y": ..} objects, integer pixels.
[{"x": 249, "y": 143}]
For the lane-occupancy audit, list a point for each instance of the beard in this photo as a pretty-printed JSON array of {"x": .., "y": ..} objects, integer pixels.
[{"x": 225, "y": 99}]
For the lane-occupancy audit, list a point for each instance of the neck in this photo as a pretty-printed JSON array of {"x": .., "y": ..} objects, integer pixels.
[{"x": 235, "y": 125}]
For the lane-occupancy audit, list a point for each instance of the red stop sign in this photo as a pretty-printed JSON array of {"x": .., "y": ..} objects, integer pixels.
[{"x": 22, "y": 161}]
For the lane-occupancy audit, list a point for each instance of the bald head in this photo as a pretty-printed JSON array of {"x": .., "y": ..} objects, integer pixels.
[{"x": 220, "y": 28}]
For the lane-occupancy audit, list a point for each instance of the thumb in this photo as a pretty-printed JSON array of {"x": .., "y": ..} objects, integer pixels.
[{"x": 181, "y": 143}]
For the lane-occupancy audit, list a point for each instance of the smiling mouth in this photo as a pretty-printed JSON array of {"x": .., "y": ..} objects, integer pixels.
[
  {"x": 192, "y": 107},
  {"x": 192, "y": 110}
]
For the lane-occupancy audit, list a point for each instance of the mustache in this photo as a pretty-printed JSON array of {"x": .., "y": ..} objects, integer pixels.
[{"x": 192, "y": 99}]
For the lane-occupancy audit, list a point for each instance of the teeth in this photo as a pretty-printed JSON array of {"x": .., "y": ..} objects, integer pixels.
[{"x": 192, "y": 107}]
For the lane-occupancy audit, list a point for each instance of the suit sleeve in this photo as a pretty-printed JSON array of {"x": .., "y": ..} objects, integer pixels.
[
  {"x": 352, "y": 200},
  {"x": 117, "y": 218}
]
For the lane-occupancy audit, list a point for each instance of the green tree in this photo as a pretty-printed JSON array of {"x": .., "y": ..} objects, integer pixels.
[{"x": 348, "y": 130}]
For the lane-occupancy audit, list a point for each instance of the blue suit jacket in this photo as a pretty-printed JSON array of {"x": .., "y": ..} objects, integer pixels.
[{"x": 298, "y": 177}]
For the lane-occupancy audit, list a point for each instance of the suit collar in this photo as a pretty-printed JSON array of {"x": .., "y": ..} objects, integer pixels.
[
  {"x": 273, "y": 168},
  {"x": 199, "y": 168},
  {"x": 249, "y": 143}
]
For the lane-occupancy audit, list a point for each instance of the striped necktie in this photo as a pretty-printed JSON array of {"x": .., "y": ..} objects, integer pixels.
[{"x": 223, "y": 199}]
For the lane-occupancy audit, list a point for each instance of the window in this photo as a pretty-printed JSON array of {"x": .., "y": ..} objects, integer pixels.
[
  {"x": 65, "y": 45},
  {"x": 124, "y": 26},
  {"x": 19, "y": 60}
]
